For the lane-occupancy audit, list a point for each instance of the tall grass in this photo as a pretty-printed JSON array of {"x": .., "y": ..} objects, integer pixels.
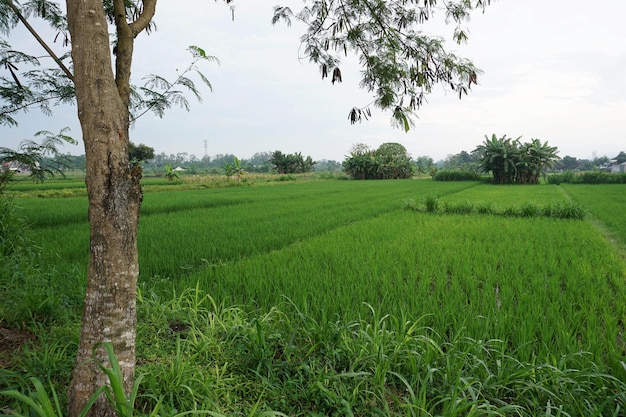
[{"x": 232, "y": 361}]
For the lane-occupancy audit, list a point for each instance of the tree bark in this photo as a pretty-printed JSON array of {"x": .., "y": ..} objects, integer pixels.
[{"x": 115, "y": 195}]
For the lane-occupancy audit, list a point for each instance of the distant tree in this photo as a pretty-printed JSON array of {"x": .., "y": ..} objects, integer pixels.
[
  {"x": 424, "y": 162},
  {"x": 462, "y": 161},
  {"x": 601, "y": 161},
  {"x": 568, "y": 163},
  {"x": 259, "y": 162},
  {"x": 220, "y": 160},
  {"x": 361, "y": 164},
  {"x": 139, "y": 153},
  {"x": 326, "y": 165},
  {"x": 620, "y": 158},
  {"x": 389, "y": 161},
  {"x": 393, "y": 161},
  {"x": 77, "y": 162},
  {"x": 235, "y": 168},
  {"x": 587, "y": 165},
  {"x": 170, "y": 174},
  {"x": 513, "y": 162},
  {"x": 293, "y": 163}
]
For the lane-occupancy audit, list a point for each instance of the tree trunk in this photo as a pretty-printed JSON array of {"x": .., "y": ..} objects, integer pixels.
[{"x": 115, "y": 196}]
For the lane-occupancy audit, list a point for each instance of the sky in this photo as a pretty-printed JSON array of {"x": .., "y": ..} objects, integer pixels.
[{"x": 553, "y": 72}]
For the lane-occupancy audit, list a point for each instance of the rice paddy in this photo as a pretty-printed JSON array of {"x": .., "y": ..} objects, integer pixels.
[{"x": 525, "y": 289}]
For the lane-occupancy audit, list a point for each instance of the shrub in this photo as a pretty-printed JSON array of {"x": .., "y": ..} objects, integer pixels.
[
  {"x": 410, "y": 204},
  {"x": 590, "y": 177},
  {"x": 568, "y": 210},
  {"x": 485, "y": 208},
  {"x": 431, "y": 203},
  {"x": 456, "y": 175},
  {"x": 529, "y": 209},
  {"x": 286, "y": 177},
  {"x": 510, "y": 211},
  {"x": 567, "y": 177},
  {"x": 462, "y": 207}
]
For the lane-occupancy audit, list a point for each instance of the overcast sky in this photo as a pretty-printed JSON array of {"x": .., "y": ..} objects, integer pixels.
[{"x": 553, "y": 70}]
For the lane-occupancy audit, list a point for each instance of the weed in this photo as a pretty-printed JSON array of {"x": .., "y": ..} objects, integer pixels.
[
  {"x": 461, "y": 207},
  {"x": 529, "y": 209},
  {"x": 431, "y": 203}
]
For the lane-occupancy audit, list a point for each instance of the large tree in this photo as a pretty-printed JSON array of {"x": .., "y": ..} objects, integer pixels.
[{"x": 400, "y": 65}]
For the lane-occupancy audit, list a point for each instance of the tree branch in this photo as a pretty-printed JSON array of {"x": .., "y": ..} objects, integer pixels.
[
  {"x": 144, "y": 19},
  {"x": 40, "y": 40}
]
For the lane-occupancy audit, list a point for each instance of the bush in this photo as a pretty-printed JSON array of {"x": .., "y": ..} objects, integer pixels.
[
  {"x": 462, "y": 207},
  {"x": 568, "y": 210},
  {"x": 431, "y": 203},
  {"x": 286, "y": 177},
  {"x": 590, "y": 177},
  {"x": 529, "y": 209},
  {"x": 456, "y": 175},
  {"x": 555, "y": 209},
  {"x": 410, "y": 204},
  {"x": 485, "y": 208}
]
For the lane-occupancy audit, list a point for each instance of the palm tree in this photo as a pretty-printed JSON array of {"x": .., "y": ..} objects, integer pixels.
[
  {"x": 236, "y": 168},
  {"x": 540, "y": 157},
  {"x": 512, "y": 162},
  {"x": 499, "y": 156}
]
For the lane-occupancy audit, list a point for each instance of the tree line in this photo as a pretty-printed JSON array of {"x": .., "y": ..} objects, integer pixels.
[{"x": 391, "y": 160}]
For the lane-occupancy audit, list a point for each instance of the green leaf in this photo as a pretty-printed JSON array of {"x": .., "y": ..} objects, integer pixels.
[{"x": 197, "y": 51}]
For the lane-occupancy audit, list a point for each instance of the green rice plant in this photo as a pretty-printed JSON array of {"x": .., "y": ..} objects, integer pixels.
[
  {"x": 510, "y": 211},
  {"x": 529, "y": 209},
  {"x": 14, "y": 234},
  {"x": 431, "y": 203},
  {"x": 503, "y": 195},
  {"x": 568, "y": 210},
  {"x": 274, "y": 216},
  {"x": 461, "y": 207},
  {"x": 410, "y": 204},
  {"x": 376, "y": 364},
  {"x": 485, "y": 208},
  {"x": 605, "y": 202},
  {"x": 417, "y": 270},
  {"x": 475, "y": 315},
  {"x": 286, "y": 177}
]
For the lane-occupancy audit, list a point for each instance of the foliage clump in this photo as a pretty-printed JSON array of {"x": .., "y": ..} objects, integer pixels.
[
  {"x": 456, "y": 175},
  {"x": 513, "y": 162},
  {"x": 389, "y": 161},
  {"x": 555, "y": 209},
  {"x": 593, "y": 177},
  {"x": 293, "y": 163}
]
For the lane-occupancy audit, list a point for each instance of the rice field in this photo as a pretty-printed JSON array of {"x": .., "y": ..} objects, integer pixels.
[
  {"x": 607, "y": 203},
  {"x": 543, "y": 289}
]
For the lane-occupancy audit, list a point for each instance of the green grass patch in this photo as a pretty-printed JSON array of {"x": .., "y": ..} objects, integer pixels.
[{"x": 606, "y": 202}]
